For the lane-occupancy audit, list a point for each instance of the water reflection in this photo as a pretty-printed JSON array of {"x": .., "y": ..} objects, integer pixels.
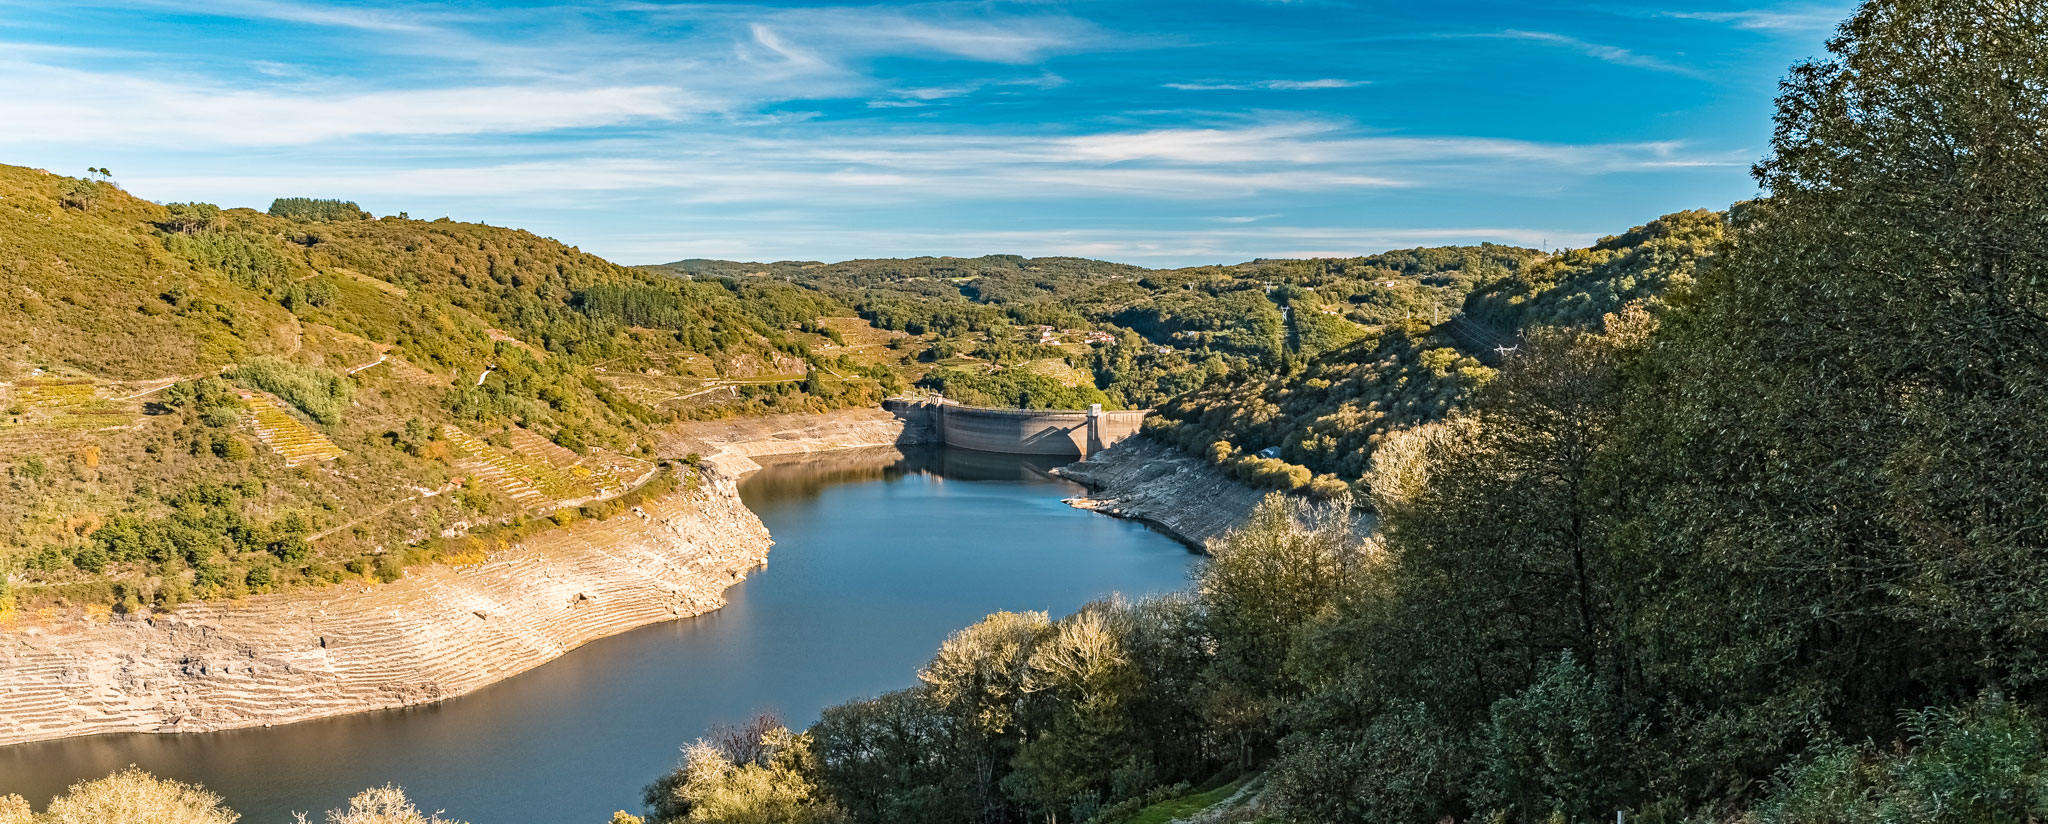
[{"x": 806, "y": 474}]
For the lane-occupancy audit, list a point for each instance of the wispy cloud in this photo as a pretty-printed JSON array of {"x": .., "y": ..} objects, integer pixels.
[
  {"x": 59, "y": 105},
  {"x": 1802, "y": 20},
  {"x": 652, "y": 130},
  {"x": 1270, "y": 85},
  {"x": 897, "y": 167},
  {"x": 1598, "y": 51},
  {"x": 1133, "y": 244},
  {"x": 363, "y": 18},
  {"x": 923, "y": 95}
]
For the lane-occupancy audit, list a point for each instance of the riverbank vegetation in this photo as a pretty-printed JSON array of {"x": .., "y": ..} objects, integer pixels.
[{"x": 1770, "y": 552}]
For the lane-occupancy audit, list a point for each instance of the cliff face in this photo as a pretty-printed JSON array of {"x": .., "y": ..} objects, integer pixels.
[{"x": 440, "y": 632}]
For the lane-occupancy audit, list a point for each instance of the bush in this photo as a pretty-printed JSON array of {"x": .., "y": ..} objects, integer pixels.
[
  {"x": 15, "y": 810},
  {"x": 382, "y": 805},
  {"x": 132, "y": 796},
  {"x": 1556, "y": 748},
  {"x": 1986, "y": 761},
  {"x": 1403, "y": 769},
  {"x": 773, "y": 788}
]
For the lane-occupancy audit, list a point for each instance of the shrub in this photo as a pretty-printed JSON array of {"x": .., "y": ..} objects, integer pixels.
[
  {"x": 715, "y": 789},
  {"x": 1403, "y": 769},
  {"x": 1986, "y": 761},
  {"x": 1556, "y": 748},
  {"x": 383, "y": 805},
  {"x": 132, "y": 796},
  {"x": 14, "y": 810}
]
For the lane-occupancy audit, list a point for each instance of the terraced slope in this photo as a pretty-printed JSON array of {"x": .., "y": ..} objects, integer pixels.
[
  {"x": 59, "y": 412},
  {"x": 285, "y": 434}
]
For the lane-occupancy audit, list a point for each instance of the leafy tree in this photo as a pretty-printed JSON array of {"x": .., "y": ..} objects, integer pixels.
[
  {"x": 190, "y": 218},
  {"x": 1841, "y": 442},
  {"x": 1263, "y": 582},
  {"x": 776, "y": 789},
  {"x": 317, "y": 210},
  {"x": 898, "y": 758}
]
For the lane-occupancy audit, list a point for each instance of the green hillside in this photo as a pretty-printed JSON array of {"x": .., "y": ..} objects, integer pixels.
[
  {"x": 1156, "y": 333},
  {"x": 197, "y": 402},
  {"x": 1328, "y": 416}
]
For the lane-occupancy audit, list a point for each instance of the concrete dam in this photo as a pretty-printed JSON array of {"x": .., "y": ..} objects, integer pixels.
[{"x": 1075, "y": 433}]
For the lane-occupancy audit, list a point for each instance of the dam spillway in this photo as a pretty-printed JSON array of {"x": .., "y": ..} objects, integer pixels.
[{"x": 1063, "y": 432}]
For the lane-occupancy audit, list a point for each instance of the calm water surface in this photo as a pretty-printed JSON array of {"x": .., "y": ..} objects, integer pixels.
[{"x": 876, "y": 560}]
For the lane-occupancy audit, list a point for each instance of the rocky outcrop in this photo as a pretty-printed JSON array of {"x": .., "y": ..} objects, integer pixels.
[
  {"x": 1146, "y": 480},
  {"x": 439, "y": 632}
]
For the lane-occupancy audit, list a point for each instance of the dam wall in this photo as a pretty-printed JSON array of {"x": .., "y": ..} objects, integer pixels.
[{"x": 1072, "y": 433}]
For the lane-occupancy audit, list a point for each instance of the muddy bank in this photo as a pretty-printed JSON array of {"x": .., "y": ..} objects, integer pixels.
[{"x": 439, "y": 632}]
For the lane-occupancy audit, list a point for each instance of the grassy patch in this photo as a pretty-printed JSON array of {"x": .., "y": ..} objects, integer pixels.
[{"x": 1184, "y": 806}]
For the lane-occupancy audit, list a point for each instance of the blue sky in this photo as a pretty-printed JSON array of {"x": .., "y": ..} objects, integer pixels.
[{"x": 1159, "y": 133}]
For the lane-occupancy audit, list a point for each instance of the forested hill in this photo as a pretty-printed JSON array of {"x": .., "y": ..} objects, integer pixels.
[
  {"x": 175, "y": 374},
  {"x": 1069, "y": 331},
  {"x": 1326, "y": 416}
]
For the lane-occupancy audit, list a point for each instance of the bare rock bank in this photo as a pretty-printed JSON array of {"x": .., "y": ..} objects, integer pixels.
[
  {"x": 1149, "y": 481},
  {"x": 1186, "y": 497},
  {"x": 440, "y": 632}
]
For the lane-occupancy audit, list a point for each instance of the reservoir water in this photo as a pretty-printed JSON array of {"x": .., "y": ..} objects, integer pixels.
[{"x": 877, "y": 558}]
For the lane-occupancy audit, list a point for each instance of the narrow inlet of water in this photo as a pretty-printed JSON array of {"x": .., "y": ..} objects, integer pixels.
[{"x": 878, "y": 556}]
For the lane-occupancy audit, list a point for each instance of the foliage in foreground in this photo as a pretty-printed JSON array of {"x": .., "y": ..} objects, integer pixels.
[
  {"x": 1774, "y": 555},
  {"x": 132, "y": 796}
]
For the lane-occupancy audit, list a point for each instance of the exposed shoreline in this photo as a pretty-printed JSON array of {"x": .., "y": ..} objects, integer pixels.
[
  {"x": 439, "y": 632},
  {"x": 1150, "y": 482}
]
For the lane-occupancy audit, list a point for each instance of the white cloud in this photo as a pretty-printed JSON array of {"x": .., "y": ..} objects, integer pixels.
[
  {"x": 898, "y": 167},
  {"x": 1611, "y": 54},
  {"x": 1270, "y": 85},
  {"x": 1773, "y": 20},
  {"x": 1128, "y": 244},
  {"x": 391, "y": 21},
  {"x": 52, "y": 105}
]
